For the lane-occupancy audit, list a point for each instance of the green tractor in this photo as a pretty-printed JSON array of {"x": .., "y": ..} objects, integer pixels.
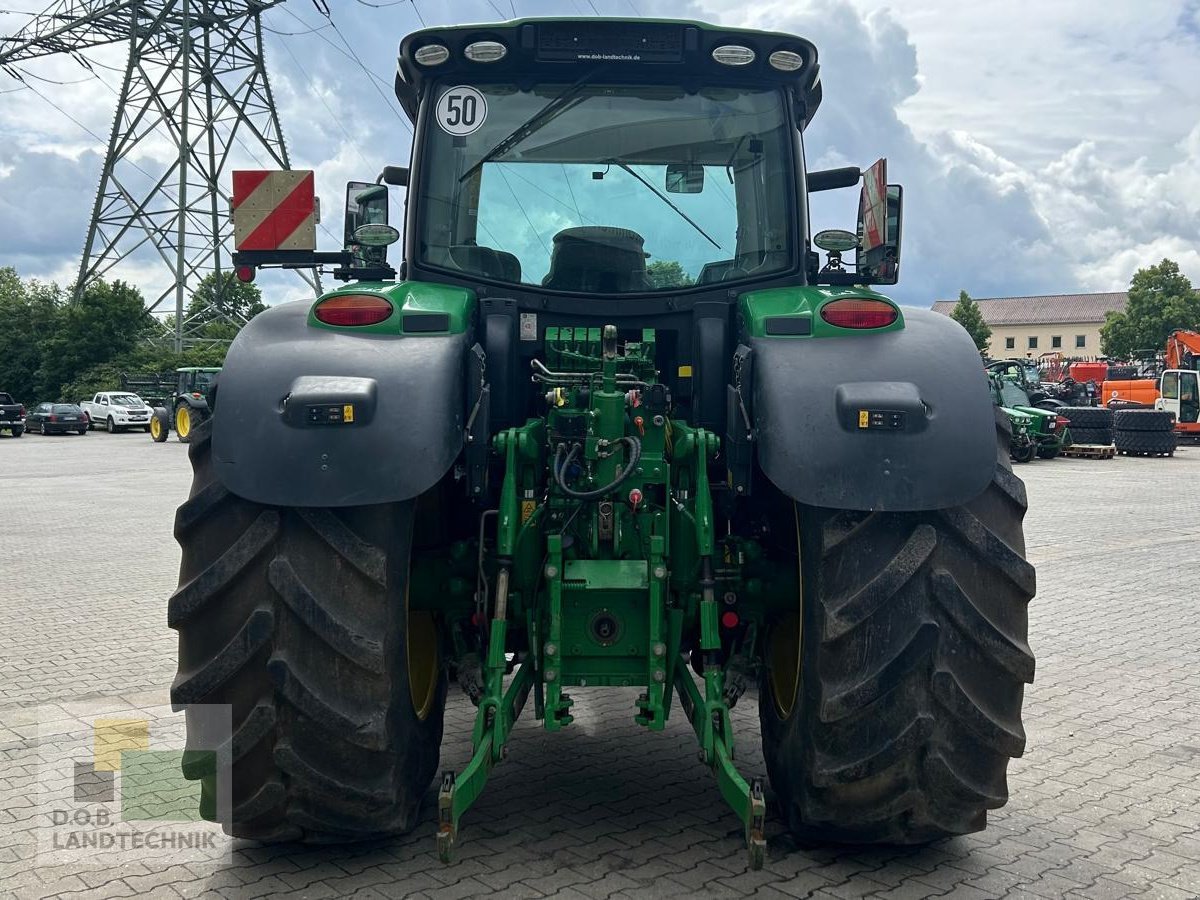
[
  {"x": 1036, "y": 431},
  {"x": 179, "y": 399},
  {"x": 609, "y": 425}
]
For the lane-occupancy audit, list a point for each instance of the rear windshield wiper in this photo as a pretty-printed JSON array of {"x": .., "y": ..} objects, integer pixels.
[
  {"x": 556, "y": 107},
  {"x": 667, "y": 200}
]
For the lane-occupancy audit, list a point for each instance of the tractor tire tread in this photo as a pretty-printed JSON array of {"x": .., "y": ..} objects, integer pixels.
[
  {"x": 1088, "y": 417},
  {"x": 325, "y": 743},
  {"x": 1100, "y": 436},
  {"x": 1145, "y": 420},
  {"x": 909, "y": 704},
  {"x": 1145, "y": 443}
]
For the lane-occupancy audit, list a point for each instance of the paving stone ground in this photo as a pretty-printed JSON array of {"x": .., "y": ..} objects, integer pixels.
[{"x": 1105, "y": 802}]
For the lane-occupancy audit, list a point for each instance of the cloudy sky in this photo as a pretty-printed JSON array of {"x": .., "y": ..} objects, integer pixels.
[{"x": 1044, "y": 147}]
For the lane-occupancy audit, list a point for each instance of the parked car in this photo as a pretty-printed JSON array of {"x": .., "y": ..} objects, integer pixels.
[
  {"x": 56, "y": 418},
  {"x": 116, "y": 411},
  {"x": 12, "y": 415}
]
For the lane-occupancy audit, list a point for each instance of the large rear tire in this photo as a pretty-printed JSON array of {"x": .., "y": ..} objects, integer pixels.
[
  {"x": 891, "y": 714},
  {"x": 298, "y": 618}
]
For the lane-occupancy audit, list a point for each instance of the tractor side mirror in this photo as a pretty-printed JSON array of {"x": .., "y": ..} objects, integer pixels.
[
  {"x": 879, "y": 226},
  {"x": 366, "y": 204},
  {"x": 684, "y": 178}
]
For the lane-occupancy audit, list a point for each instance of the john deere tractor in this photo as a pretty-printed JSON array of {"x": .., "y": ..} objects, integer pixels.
[{"x": 615, "y": 421}]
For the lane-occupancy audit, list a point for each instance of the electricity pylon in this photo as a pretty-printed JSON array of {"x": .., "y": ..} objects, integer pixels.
[{"x": 194, "y": 98}]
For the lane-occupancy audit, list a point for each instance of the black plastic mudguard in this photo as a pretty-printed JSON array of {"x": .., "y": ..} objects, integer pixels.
[
  {"x": 279, "y": 431},
  {"x": 901, "y": 420}
]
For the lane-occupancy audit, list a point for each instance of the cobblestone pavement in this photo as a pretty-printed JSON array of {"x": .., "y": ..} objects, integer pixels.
[{"x": 1105, "y": 803}]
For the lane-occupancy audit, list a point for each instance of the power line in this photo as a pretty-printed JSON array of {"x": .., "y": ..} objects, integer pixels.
[
  {"x": 337, "y": 120},
  {"x": 517, "y": 200},
  {"x": 351, "y": 56}
]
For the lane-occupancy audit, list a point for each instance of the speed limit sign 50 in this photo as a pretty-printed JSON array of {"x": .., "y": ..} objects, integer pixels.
[{"x": 461, "y": 110}]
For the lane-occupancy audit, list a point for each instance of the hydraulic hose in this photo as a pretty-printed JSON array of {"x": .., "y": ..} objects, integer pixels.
[{"x": 560, "y": 468}]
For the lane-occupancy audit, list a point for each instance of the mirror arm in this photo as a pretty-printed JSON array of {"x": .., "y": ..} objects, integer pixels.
[
  {"x": 397, "y": 175},
  {"x": 830, "y": 179}
]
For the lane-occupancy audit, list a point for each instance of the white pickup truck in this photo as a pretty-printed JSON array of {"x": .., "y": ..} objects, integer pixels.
[{"x": 116, "y": 411}]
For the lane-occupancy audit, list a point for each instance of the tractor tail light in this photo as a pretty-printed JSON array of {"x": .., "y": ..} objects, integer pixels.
[
  {"x": 353, "y": 309},
  {"x": 859, "y": 312},
  {"x": 1062, "y": 421}
]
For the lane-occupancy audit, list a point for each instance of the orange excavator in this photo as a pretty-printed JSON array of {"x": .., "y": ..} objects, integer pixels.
[{"x": 1176, "y": 390}]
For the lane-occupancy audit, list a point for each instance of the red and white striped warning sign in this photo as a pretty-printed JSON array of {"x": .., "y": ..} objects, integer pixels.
[
  {"x": 873, "y": 206},
  {"x": 274, "y": 210}
]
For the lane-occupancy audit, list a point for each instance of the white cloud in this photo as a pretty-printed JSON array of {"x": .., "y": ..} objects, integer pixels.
[
  {"x": 1023, "y": 135},
  {"x": 1042, "y": 147}
]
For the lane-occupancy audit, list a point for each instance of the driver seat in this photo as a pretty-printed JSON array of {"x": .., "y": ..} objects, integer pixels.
[{"x": 598, "y": 259}]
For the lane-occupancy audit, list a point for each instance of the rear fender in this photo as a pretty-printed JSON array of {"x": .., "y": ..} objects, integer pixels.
[
  {"x": 193, "y": 402},
  {"x": 810, "y": 395},
  {"x": 277, "y": 437}
]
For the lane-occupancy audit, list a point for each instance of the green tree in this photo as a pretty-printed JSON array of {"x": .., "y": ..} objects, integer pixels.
[
  {"x": 1161, "y": 300},
  {"x": 108, "y": 319},
  {"x": 668, "y": 273},
  {"x": 29, "y": 313},
  {"x": 221, "y": 304},
  {"x": 145, "y": 358},
  {"x": 967, "y": 314}
]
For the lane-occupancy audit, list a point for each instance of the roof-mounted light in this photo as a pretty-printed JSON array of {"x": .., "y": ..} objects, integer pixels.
[
  {"x": 733, "y": 55},
  {"x": 786, "y": 61},
  {"x": 485, "y": 51},
  {"x": 431, "y": 55}
]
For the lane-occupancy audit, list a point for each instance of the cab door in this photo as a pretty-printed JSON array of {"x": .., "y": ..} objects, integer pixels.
[{"x": 1180, "y": 389}]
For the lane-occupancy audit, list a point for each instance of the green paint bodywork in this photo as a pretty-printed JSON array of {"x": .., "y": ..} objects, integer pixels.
[
  {"x": 406, "y": 297},
  {"x": 806, "y": 302}
]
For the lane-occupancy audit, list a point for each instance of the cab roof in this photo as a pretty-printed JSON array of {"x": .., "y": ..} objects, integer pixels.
[{"x": 568, "y": 48}]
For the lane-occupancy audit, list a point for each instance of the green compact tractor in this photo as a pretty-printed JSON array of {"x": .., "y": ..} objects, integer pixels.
[
  {"x": 1036, "y": 431},
  {"x": 611, "y": 424}
]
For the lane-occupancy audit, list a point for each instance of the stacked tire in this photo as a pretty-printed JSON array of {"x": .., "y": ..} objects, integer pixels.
[
  {"x": 1144, "y": 432},
  {"x": 1090, "y": 424}
]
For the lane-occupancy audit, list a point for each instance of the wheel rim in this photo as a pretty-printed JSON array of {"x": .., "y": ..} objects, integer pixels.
[
  {"x": 155, "y": 427},
  {"x": 111, "y": 426},
  {"x": 183, "y": 422},
  {"x": 783, "y": 651},
  {"x": 422, "y": 653}
]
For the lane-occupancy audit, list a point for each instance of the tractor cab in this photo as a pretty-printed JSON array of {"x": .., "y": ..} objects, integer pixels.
[
  {"x": 611, "y": 158},
  {"x": 195, "y": 380}
]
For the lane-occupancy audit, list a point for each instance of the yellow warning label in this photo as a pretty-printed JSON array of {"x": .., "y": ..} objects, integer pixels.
[
  {"x": 685, "y": 371},
  {"x": 348, "y": 412},
  {"x": 527, "y": 508},
  {"x": 864, "y": 419}
]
